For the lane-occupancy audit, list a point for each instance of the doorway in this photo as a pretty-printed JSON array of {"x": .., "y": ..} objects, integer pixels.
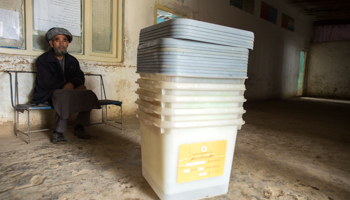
[{"x": 301, "y": 73}]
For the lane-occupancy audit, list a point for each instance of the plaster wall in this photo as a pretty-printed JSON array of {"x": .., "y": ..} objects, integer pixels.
[
  {"x": 273, "y": 64},
  {"x": 119, "y": 83},
  {"x": 329, "y": 70},
  {"x": 272, "y": 70}
]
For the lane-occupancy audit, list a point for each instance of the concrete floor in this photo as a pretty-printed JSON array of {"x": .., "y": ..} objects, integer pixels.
[{"x": 291, "y": 149}]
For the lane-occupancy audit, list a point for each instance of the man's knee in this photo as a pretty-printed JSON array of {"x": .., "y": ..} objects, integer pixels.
[{"x": 81, "y": 87}]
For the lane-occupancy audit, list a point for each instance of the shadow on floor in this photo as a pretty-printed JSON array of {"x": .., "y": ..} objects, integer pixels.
[{"x": 288, "y": 149}]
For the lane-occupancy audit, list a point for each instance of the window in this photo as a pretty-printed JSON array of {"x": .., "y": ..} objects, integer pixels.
[
  {"x": 268, "y": 12},
  {"x": 11, "y": 25},
  {"x": 246, "y": 5},
  {"x": 96, "y": 26},
  {"x": 287, "y": 22}
]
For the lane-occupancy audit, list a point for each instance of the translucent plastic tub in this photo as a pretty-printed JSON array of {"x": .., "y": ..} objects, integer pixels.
[
  {"x": 162, "y": 147},
  {"x": 191, "y": 79},
  {"x": 192, "y": 105},
  {"x": 152, "y": 108},
  {"x": 198, "y": 105},
  {"x": 192, "y": 117},
  {"x": 189, "y": 124},
  {"x": 176, "y": 69},
  {"x": 191, "y": 92},
  {"x": 238, "y": 68},
  {"x": 193, "y": 65},
  {"x": 150, "y": 96},
  {"x": 190, "y": 86},
  {"x": 191, "y": 89}
]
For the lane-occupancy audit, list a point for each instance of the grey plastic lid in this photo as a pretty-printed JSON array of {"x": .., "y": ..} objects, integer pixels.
[
  {"x": 200, "y": 37},
  {"x": 184, "y": 44},
  {"x": 191, "y": 55},
  {"x": 211, "y": 39},
  {"x": 214, "y": 69},
  {"x": 192, "y": 29},
  {"x": 189, "y": 29},
  {"x": 218, "y": 67},
  {"x": 189, "y": 70},
  {"x": 193, "y": 62},
  {"x": 195, "y": 73},
  {"x": 196, "y": 23},
  {"x": 192, "y": 59}
]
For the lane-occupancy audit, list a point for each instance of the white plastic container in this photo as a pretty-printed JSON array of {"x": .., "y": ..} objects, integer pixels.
[
  {"x": 150, "y": 96},
  {"x": 190, "y": 86},
  {"x": 176, "y": 102},
  {"x": 192, "y": 105},
  {"x": 151, "y": 108},
  {"x": 192, "y": 114},
  {"x": 186, "y": 124},
  {"x": 192, "y": 92},
  {"x": 160, "y": 145},
  {"x": 187, "y": 105},
  {"x": 191, "y": 79},
  {"x": 190, "y": 68},
  {"x": 191, "y": 89}
]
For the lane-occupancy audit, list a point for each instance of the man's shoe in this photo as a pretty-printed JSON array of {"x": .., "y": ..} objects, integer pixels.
[
  {"x": 79, "y": 131},
  {"x": 58, "y": 137}
]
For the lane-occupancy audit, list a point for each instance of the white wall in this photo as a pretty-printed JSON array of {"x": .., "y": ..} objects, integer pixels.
[
  {"x": 328, "y": 73},
  {"x": 273, "y": 64}
]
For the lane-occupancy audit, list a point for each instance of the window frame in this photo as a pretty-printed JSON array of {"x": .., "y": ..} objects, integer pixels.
[{"x": 87, "y": 53}]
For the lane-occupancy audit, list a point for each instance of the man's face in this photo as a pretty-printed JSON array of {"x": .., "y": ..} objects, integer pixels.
[{"x": 59, "y": 43}]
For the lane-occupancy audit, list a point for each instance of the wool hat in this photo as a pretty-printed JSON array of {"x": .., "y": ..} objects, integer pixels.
[{"x": 58, "y": 31}]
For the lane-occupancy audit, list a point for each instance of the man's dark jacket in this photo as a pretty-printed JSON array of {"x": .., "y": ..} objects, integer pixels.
[{"x": 50, "y": 76}]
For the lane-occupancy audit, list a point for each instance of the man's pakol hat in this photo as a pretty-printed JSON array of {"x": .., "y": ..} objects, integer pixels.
[{"x": 58, "y": 31}]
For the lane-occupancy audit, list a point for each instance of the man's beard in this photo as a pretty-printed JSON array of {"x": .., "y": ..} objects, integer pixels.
[{"x": 60, "y": 53}]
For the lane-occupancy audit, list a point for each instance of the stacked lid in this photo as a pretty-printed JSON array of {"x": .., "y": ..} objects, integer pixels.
[
  {"x": 194, "y": 30},
  {"x": 192, "y": 74},
  {"x": 181, "y": 57}
]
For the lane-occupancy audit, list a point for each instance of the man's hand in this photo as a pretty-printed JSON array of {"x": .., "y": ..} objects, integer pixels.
[
  {"x": 81, "y": 87},
  {"x": 68, "y": 86}
]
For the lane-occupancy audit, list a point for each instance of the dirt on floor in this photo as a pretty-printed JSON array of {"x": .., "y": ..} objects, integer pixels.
[{"x": 287, "y": 150}]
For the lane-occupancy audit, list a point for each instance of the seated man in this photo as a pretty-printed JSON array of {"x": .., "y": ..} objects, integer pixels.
[{"x": 57, "y": 70}]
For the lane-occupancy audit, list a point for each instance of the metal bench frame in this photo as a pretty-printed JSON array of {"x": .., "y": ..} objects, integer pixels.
[{"x": 104, "y": 102}]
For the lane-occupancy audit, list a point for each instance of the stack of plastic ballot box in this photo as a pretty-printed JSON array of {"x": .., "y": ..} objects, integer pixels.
[{"x": 190, "y": 105}]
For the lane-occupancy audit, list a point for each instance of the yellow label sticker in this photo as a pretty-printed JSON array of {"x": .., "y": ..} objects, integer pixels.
[{"x": 201, "y": 160}]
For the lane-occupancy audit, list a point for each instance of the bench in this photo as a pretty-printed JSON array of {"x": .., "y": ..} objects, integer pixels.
[{"x": 20, "y": 107}]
